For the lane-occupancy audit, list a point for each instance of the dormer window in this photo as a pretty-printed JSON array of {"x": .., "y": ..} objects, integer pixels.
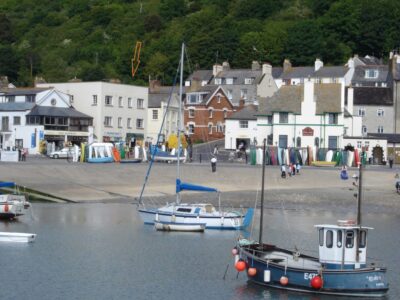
[
  {"x": 192, "y": 98},
  {"x": 204, "y": 82},
  {"x": 187, "y": 83},
  {"x": 217, "y": 80},
  {"x": 229, "y": 80},
  {"x": 370, "y": 73},
  {"x": 248, "y": 80}
]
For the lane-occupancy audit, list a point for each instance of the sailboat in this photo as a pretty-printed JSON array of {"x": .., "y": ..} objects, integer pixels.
[
  {"x": 13, "y": 204},
  {"x": 341, "y": 268},
  {"x": 202, "y": 214}
]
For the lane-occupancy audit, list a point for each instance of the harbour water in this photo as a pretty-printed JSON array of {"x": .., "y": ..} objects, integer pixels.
[{"x": 103, "y": 251}]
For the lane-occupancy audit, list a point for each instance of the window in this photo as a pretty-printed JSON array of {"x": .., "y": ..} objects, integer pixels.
[
  {"x": 31, "y": 120},
  {"x": 248, "y": 80},
  {"x": 129, "y": 102},
  {"x": 108, "y": 100},
  {"x": 332, "y": 142},
  {"x": 220, "y": 127},
  {"x": 298, "y": 141},
  {"x": 316, "y": 142},
  {"x": 155, "y": 114},
  {"x": 243, "y": 124},
  {"x": 225, "y": 113},
  {"x": 380, "y": 112},
  {"x": 120, "y": 102},
  {"x": 321, "y": 237},
  {"x": 217, "y": 81},
  {"x": 230, "y": 94},
  {"x": 359, "y": 144},
  {"x": 129, "y": 123},
  {"x": 191, "y": 128},
  {"x": 10, "y": 98},
  {"x": 140, "y": 103},
  {"x": 210, "y": 113},
  {"x": 349, "y": 239},
  {"x": 364, "y": 129},
  {"x": 192, "y": 98},
  {"x": 62, "y": 121},
  {"x": 49, "y": 121},
  {"x": 380, "y": 129},
  {"x": 269, "y": 119},
  {"x": 333, "y": 118},
  {"x": 339, "y": 238},
  {"x": 187, "y": 83},
  {"x": 119, "y": 122},
  {"x": 270, "y": 139},
  {"x": 229, "y": 81},
  {"x": 17, "y": 120},
  {"x": 283, "y": 139},
  {"x": 71, "y": 98},
  {"x": 191, "y": 113},
  {"x": 363, "y": 239},
  {"x": 370, "y": 73},
  {"x": 361, "y": 112},
  {"x": 108, "y": 121},
  {"x": 210, "y": 126},
  {"x": 329, "y": 239},
  {"x": 139, "y": 123},
  {"x": 94, "y": 99},
  {"x": 219, "y": 98},
  {"x": 283, "y": 117},
  {"x": 243, "y": 94},
  {"x": 30, "y": 98}
]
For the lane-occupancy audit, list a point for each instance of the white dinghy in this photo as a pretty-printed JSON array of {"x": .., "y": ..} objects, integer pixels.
[
  {"x": 17, "y": 237},
  {"x": 174, "y": 226}
]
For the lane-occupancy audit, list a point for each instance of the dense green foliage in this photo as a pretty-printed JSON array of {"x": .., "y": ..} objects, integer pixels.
[{"x": 94, "y": 39}]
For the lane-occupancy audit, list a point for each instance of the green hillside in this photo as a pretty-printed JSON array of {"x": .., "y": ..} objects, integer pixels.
[{"x": 95, "y": 39}]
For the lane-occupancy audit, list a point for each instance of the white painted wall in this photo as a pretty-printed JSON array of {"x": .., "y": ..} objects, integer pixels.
[{"x": 233, "y": 132}]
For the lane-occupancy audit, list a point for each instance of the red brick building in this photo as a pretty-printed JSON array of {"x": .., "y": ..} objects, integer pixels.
[{"x": 205, "y": 113}]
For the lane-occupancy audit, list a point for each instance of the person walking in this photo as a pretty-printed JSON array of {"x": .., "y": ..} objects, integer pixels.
[
  {"x": 213, "y": 164},
  {"x": 391, "y": 159}
]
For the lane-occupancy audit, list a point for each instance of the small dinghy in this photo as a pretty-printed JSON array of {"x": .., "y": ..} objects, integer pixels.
[
  {"x": 17, "y": 237},
  {"x": 173, "y": 226}
]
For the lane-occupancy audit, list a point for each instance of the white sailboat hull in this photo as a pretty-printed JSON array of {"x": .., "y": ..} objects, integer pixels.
[
  {"x": 12, "y": 206},
  {"x": 17, "y": 237},
  {"x": 174, "y": 226}
]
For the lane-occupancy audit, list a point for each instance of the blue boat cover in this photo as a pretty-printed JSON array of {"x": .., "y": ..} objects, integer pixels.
[
  {"x": 7, "y": 184},
  {"x": 180, "y": 186}
]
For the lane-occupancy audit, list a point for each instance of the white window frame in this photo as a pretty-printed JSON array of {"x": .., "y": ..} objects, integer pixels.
[
  {"x": 192, "y": 98},
  {"x": 361, "y": 111},
  {"x": 94, "y": 100},
  {"x": 243, "y": 93},
  {"x": 210, "y": 113},
  {"x": 120, "y": 102},
  {"x": 359, "y": 144},
  {"x": 140, "y": 103},
  {"x": 248, "y": 80},
  {"x": 364, "y": 129},
  {"x": 108, "y": 121},
  {"x": 230, "y": 94},
  {"x": 119, "y": 122},
  {"x": 139, "y": 123},
  {"x": 154, "y": 114},
  {"x": 129, "y": 123},
  {"x": 191, "y": 127},
  {"x": 108, "y": 100},
  {"x": 371, "y": 73},
  {"x": 15, "y": 119},
  {"x": 225, "y": 113},
  {"x": 217, "y": 80},
  {"x": 380, "y": 112},
  {"x": 220, "y": 127},
  {"x": 210, "y": 127},
  {"x": 191, "y": 112},
  {"x": 129, "y": 102},
  {"x": 243, "y": 124},
  {"x": 380, "y": 129},
  {"x": 229, "y": 80}
]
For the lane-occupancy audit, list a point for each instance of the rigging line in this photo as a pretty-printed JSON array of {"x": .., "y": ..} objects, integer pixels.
[
  {"x": 189, "y": 63},
  {"x": 252, "y": 221},
  {"x": 158, "y": 136},
  {"x": 287, "y": 224}
]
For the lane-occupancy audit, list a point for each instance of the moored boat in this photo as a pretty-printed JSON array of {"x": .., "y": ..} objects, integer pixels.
[
  {"x": 175, "y": 226},
  {"x": 12, "y": 204},
  {"x": 341, "y": 268},
  {"x": 17, "y": 237}
]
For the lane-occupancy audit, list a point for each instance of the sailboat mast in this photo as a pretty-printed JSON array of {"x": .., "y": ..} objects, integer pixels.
[
  {"x": 178, "y": 197},
  {"x": 262, "y": 195},
  {"x": 359, "y": 198}
]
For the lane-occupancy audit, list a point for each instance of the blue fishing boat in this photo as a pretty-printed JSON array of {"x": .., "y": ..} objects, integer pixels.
[{"x": 341, "y": 268}]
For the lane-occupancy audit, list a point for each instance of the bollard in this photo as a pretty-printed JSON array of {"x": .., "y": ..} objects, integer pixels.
[{"x": 200, "y": 158}]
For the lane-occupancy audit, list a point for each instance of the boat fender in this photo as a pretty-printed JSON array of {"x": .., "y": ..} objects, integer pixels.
[
  {"x": 240, "y": 265},
  {"x": 234, "y": 251},
  {"x": 267, "y": 275},
  {"x": 317, "y": 282},
  {"x": 6, "y": 208},
  {"x": 284, "y": 280},
  {"x": 252, "y": 271}
]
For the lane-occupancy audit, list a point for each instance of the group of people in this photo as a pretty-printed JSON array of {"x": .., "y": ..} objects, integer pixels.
[{"x": 290, "y": 170}]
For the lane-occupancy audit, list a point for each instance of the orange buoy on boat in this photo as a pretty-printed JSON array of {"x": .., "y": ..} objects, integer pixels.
[
  {"x": 252, "y": 271},
  {"x": 317, "y": 282},
  {"x": 240, "y": 265},
  {"x": 284, "y": 280}
]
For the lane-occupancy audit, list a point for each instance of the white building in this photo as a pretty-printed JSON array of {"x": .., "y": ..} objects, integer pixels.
[
  {"x": 158, "y": 103},
  {"x": 119, "y": 111},
  {"x": 307, "y": 115},
  {"x": 31, "y": 115}
]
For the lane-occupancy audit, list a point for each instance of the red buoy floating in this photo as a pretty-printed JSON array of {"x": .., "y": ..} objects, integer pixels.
[
  {"x": 240, "y": 265},
  {"x": 317, "y": 282},
  {"x": 252, "y": 271},
  {"x": 234, "y": 251},
  {"x": 284, "y": 280}
]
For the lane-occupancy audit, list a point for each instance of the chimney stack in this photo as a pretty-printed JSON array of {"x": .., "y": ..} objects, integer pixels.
[
  {"x": 287, "y": 65},
  {"x": 266, "y": 69},
  {"x": 255, "y": 66},
  {"x": 216, "y": 69},
  {"x": 226, "y": 66},
  {"x": 318, "y": 64}
]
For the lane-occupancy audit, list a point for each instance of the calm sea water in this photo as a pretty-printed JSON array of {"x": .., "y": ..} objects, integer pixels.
[{"x": 103, "y": 251}]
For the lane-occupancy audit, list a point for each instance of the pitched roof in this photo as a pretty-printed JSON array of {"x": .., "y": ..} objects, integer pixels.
[
  {"x": 201, "y": 75},
  {"x": 16, "y": 106},
  {"x": 373, "y": 96},
  {"x": 289, "y": 97},
  {"x": 359, "y": 74},
  {"x": 390, "y": 137},
  {"x": 277, "y": 72},
  {"x": 246, "y": 113},
  {"x": 298, "y": 72},
  {"x": 239, "y": 75},
  {"x": 333, "y": 71},
  {"x": 162, "y": 94},
  {"x": 57, "y": 112},
  {"x": 22, "y": 91}
]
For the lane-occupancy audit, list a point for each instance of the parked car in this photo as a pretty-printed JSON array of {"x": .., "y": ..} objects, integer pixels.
[{"x": 64, "y": 153}]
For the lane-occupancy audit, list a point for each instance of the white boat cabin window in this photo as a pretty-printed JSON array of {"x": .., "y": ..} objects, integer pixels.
[
  {"x": 349, "y": 239},
  {"x": 339, "y": 238},
  {"x": 363, "y": 239},
  {"x": 321, "y": 237},
  {"x": 182, "y": 209},
  {"x": 329, "y": 239}
]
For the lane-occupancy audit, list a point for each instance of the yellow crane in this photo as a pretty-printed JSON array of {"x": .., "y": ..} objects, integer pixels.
[{"x": 136, "y": 58}]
